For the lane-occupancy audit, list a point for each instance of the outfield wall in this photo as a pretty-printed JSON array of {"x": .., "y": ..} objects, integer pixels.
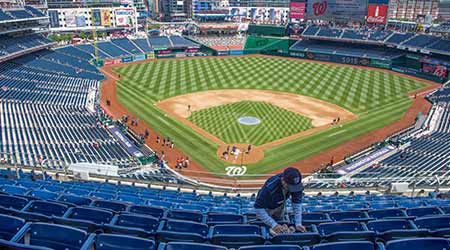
[{"x": 401, "y": 65}]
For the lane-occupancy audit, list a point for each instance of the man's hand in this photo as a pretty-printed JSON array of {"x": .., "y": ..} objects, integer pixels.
[
  {"x": 279, "y": 229},
  {"x": 300, "y": 229}
]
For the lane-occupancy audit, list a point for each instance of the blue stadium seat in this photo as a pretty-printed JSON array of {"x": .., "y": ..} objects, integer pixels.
[
  {"x": 9, "y": 226},
  {"x": 223, "y": 218},
  {"x": 119, "y": 242},
  {"x": 349, "y": 216},
  {"x": 419, "y": 244},
  {"x": 13, "y": 190},
  {"x": 423, "y": 211},
  {"x": 389, "y": 213},
  {"x": 46, "y": 208},
  {"x": 391, "y": 229},
  {"x": 439, "y": 226},
  {"x": 176, "y": 230},
  {"x": 133, "y": 224},
  {"x": 96, "y": 215},
  {"x": 103, "y": 195},
  {"x": 308, "y": 238},
  {"x": 177, "y": 214},
  {"x": 353, "y": 245},
  {"x": 52, "y": 236},
  {"x": 234, "y": 236},
  {"x": 44, "y": 195},
  {"x": 8, "y": 245},
  {"x": 188, "y": 246},
  {"x": 345, "y": 231},
  {"x": 269, "y": 247},
  {"x": 157, "y": 212},
  {"x": 111, "y": 205},
  {"x": 76, "y": 200},
  {"x": 314, "y": 218},
  {"x": 14, "y": 202}
]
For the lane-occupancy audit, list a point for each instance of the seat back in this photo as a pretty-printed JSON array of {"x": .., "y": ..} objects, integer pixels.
[
  {"x": 122, "y": 242},
  {"x": 186, "y": 227},
  {"x": 47, "y": 208},
  {"x": 112, "y": 205},
  {"x": 423, "y": 211},
  {"x": 98, "y": 216},
  {"x": 418, "y": 244},
  {"x": 145, "y": 222},
  {"x": 191, "y": 246},
  {"x": 44, "y": 195},
  {"x": 353, "y": 245},
  {"x": 176, "y": 214},
  {"x": 388, "y": 224},
  {"x": 432, "y": 223},
  {"x": 332, "y": 227},
  {"x": 9, "y": 226},
  {"x": 74, "y": 199},
  {"x": 13, "y": 190},
  {"x": 347, "y": 215},
  {"x": 55, "y": 236},
  {"x": 9, "y": 201},
  {"x": 223, "y": 218},
  {"x": 386, "y": 213},
  {"x": 157, "y": 212},
  {"x": 236, "y": 230},
  {"x": 273, "y": 247}
]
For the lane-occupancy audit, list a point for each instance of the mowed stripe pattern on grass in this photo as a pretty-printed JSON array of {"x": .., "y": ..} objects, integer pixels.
[
  {"x": 380, "y": 98},
  {"x": 276, "y": 122},
  {"x": 357, "y": 90}
]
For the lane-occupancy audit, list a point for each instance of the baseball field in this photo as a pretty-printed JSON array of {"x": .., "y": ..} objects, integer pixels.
[{"x": 286, "y": 109}]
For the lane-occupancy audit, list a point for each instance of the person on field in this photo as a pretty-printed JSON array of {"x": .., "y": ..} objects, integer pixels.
[{"x": 270, "y": 204}]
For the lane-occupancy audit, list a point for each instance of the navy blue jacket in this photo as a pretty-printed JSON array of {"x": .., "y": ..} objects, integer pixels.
[{"x": 270, "y": 196}]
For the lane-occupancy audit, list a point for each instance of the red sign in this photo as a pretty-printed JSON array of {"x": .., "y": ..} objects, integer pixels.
[
  {"x": 377, "y": 14},
  {"x": 320, "y": 8},
  {"x": 297, "y": 10}
]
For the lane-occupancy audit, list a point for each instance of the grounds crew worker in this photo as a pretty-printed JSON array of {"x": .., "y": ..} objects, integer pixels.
[{"x": 270, "y": 204}]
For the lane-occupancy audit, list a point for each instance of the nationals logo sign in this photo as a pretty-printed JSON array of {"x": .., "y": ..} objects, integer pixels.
[
  {"x": 320, "y": 8},
  {"x": 342, "y": 10},
  {"x": 376, "y": 14}
]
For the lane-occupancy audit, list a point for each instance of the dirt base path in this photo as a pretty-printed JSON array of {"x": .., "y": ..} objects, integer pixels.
[
  {"x": 307, "y": 165},
  {"x": 320, "y": 112}
]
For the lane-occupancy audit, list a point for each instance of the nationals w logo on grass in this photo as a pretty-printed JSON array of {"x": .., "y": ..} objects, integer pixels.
[{"x": 236, "y": 170}]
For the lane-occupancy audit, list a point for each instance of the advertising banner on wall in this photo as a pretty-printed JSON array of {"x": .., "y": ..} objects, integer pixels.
[
  {"x": 127, "y": 59},
  {"x": 96, "y": 17},
  {"x": 80, "y": 19},
  {"x": 54, "y": 18},
  {"x": 297, "y": 10},
  {"x": 437, "y": 70},
  {"x": 139, "y": 57},
  {"x": 71, "y": 20},
  {"x": 124, "y": 17},
  {"x": 345, "y": 10},
  {"x": 376, "y": 14},
  {"x": 106, "y": 18}
]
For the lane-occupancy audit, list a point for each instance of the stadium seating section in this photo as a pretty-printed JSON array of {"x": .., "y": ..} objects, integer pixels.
[
  {"x": 48, "y": 214},
  {"x": 379, "y": 36},
  {"x": 16, "y": 14},
  {"x": 11, "y": 45},
  {"x": 123, "y": 47}
]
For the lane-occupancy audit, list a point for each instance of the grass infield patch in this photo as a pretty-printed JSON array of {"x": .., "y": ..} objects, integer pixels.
[{"x": 276, "y": 122}]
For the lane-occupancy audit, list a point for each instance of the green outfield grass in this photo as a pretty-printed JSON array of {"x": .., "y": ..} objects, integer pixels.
[
  {"x": 378, "y": 98},
  {"x": 276, "y": 122}
]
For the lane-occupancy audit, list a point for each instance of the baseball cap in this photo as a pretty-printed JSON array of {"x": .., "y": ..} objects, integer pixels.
[{"x": 293, "y": 178}]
